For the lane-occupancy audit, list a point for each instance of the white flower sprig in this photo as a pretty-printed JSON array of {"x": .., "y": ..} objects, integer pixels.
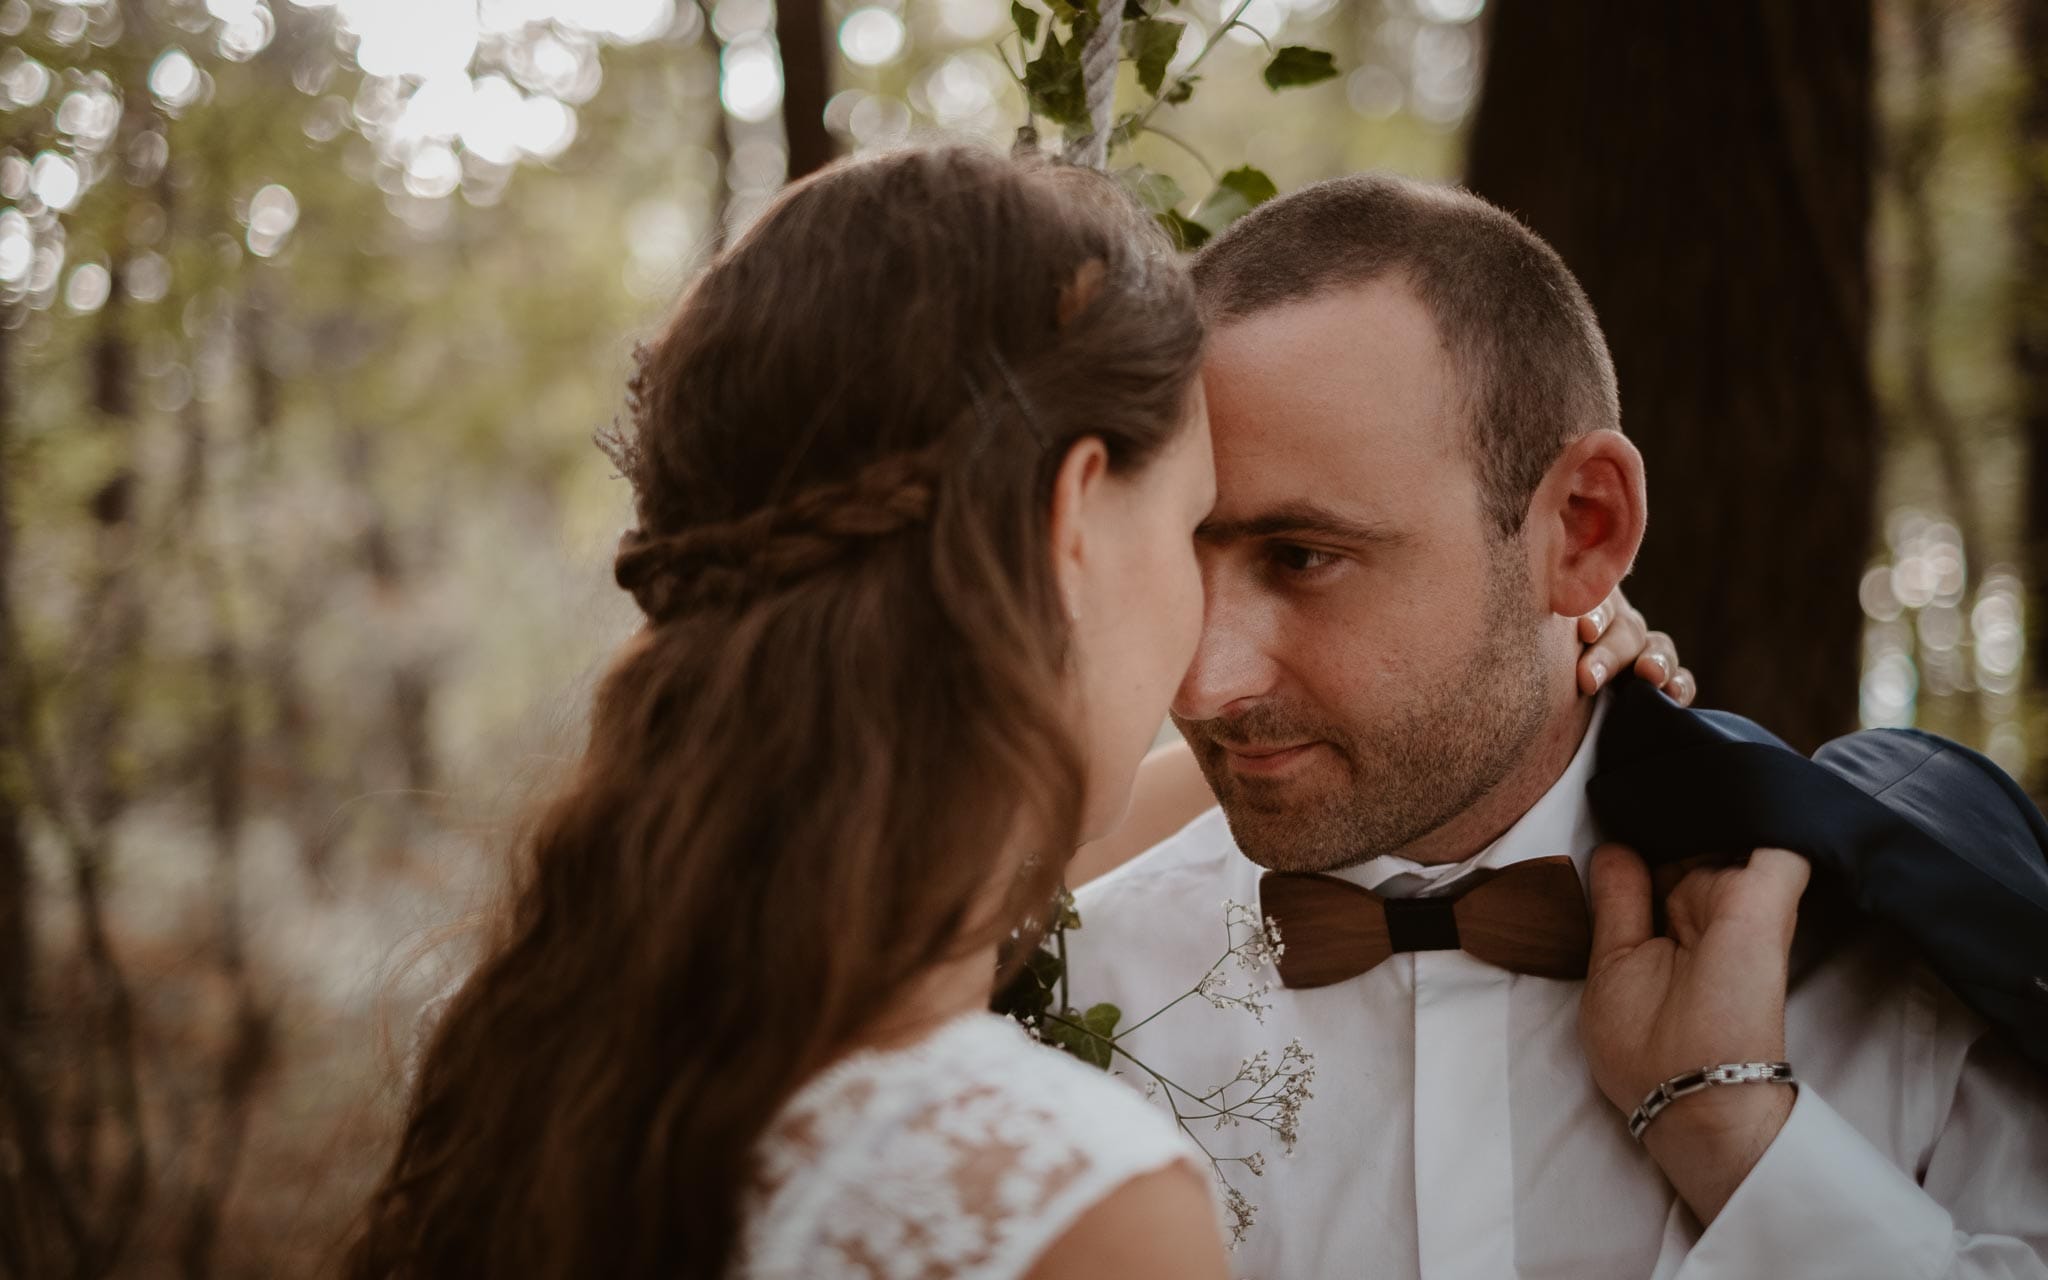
[{"x": 1265, "y": 1092}]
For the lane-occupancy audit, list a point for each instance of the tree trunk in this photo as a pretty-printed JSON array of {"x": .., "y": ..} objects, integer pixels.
[
  {"x": 806, "y": 81},
  {"x": 1910, "y": 168},
  {"x": 17, "y": 949},
  {"x": 1706, "y": 171},
  {"x": 2030, "y": 319}
]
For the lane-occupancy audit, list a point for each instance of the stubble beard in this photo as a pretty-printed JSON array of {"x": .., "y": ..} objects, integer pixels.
[{"x": 1406, "y": 774}]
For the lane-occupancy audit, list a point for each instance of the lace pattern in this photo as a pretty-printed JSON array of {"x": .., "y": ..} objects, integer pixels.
[{"x": 963, "y": 1157}]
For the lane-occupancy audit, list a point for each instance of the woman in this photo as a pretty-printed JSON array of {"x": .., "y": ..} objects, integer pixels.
[{"x": 917, "y": 467}]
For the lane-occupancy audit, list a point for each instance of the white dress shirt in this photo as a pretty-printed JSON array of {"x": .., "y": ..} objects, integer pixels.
[{"x": 1456, "y": 1133}]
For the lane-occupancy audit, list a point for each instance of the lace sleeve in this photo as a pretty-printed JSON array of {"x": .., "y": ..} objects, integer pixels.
[{"x": 964, "y": 1159}]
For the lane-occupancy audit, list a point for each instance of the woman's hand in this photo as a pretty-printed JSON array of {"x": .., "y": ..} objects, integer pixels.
[
  {"x": 1616, "y": 636},
  {"x": 1710, "y": 990}
]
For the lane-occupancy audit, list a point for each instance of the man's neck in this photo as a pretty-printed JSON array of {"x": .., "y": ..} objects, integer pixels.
[{"x": 1537, "y": 772}]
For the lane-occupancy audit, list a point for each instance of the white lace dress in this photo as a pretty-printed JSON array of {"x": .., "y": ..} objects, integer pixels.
[{"x": 962, "y": 1157}]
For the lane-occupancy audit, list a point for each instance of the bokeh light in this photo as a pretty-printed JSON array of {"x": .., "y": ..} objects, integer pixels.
[
  {"x": 750, "y": 80},
  {"x": 273, "y": 213},
  {"x": 1927, "y": 637},
  {"x": 175, "y": 79},
  {"x": 17, "y": 246},
  {"x": 90, "y": 286},
  {"x": 1260, "y": 18},
  {"x": 1450, "y": 10},
  {"x": 23, "y": 80},
  {"x": 54, "y": 179},
  {"x": 871, "y": 37},
  {"x": 148, "y": 277}
]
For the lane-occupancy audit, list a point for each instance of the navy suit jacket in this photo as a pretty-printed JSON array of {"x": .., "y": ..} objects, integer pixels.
[{"x": 1916, "y": 833}]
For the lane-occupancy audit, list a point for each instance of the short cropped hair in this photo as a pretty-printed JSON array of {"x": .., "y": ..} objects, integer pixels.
[{"x": 1522, "y": 336}]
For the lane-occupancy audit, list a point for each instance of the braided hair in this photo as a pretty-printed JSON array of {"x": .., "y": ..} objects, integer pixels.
[{"x": 718, "y": 565}]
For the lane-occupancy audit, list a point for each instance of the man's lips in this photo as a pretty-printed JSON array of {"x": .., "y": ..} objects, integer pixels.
[{"x": 1264, "y": 760}]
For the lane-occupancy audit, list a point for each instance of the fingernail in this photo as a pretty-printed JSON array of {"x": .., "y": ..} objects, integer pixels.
[
  {"x": 1663, "y": 667},
  {"x": 1599, "y": 670}
]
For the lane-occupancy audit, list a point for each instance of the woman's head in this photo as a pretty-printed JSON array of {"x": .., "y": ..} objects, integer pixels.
[
  {"x": 939, "y": 382},
  {"x": 915, "y": 466}
]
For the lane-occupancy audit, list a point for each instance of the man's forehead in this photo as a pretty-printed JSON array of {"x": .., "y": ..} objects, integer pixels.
[{"x": 1328, "y": 398}]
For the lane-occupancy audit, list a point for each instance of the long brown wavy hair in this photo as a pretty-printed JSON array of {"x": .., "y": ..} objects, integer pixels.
[{"x": 845, "y": 715}]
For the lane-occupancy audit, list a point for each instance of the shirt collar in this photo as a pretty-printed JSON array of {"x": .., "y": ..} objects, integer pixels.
[{"x": 1560, "y": 822}]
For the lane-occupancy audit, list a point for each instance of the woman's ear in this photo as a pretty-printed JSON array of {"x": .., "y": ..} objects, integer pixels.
[
  {"x": 1077, "y": 495},
  {"x": 1590, "y": 513}
]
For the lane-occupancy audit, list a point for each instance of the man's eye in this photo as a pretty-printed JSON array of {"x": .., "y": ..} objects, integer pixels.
[{"x": 1292, "y": 559}]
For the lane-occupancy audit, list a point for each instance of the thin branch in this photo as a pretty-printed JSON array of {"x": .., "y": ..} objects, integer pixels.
[
  {"x": 1208, "y": 47},
  {"x": 1184, "y": 145}
]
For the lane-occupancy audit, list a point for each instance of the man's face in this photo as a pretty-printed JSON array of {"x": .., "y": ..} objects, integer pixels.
[{"x": 1371, "y": 660}]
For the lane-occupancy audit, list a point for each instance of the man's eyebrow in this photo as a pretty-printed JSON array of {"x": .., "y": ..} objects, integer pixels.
[{"x": 1303, "y": 520}]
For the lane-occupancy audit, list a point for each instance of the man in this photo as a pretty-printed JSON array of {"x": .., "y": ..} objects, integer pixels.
[{"x": 1421, "y": 484}]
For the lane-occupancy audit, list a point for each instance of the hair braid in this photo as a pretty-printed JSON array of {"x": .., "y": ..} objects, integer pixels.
[{"x": 709, "y": 566}]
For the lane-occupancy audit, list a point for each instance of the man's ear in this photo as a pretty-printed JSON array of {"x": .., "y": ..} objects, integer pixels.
[
  {"x": 1076, "y": 495},
  {"x": 1587, "y": 519}
]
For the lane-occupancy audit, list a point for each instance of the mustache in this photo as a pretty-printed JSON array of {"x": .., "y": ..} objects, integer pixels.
[{"x": 1268, "y": 724}]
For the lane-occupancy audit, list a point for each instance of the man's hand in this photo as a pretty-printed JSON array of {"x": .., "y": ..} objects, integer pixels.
[{"x": 1712, "y": 991}]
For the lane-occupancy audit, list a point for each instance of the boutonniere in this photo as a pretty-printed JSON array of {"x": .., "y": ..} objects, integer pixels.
[{"x": 1266, "y": 1092}]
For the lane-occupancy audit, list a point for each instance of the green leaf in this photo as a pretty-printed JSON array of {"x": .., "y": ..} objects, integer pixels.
[
  {"x": 1102, "y": 1019},
  {"x": 1186, "y": 232},
  {"x": 1080, "y": 1041},
  {"x": 1030, "y": 994},
  {"x": 1064, "y": 10},
  {"x": 1237, "y": 193},
  {"x": 1055, "y": 83},
  {"x": 1183, "y": 89},
  {"x": 1134, "y": 10},
  {"x": 1026, "y": 20},
  {"x": 1250, "y": 183},
  {"x": 1156, "y": 191},
  {"x": 1298, "y": 65},
  {"x": 1121, "y": 133},
  {"x": 1150, "y": 43},
  {"x": 1065, "y": 916}
]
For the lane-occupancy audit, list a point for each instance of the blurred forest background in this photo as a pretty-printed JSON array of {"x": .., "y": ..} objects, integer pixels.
[{"x": 308, "y": 313}]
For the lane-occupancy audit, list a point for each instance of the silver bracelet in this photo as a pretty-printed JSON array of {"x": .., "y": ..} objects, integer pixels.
[{"x": 1705, "y": 1078}]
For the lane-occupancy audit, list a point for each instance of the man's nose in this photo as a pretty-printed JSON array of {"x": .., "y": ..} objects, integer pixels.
[{"x": 1232, "y": 662}]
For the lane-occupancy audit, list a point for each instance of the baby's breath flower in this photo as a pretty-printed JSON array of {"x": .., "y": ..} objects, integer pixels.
[
  {"x": 1267, "y": 1093},
  {"x": 1242, "y": 1214}
]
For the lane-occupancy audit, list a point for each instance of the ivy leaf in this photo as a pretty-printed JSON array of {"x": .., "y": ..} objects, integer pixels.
[
  {"x": 1029, "y": 995},
  {"x": 1065, "y": 916},
  {"x": 1026, "y": 20},
  {"x": 1064, "y": 10},
  {"x": 1134, "y": 10},
  {"x": 1084, "y": 1036},
  {"x": 1102, "y": 1019},
  {"x": 1237, "y": 193},
  {"x": 1186, "y": 232},
  {"x": 1183, "y": 89},
  {"x": 1156, "y": 191},
  {"x": 1251, "y": 183},
  {"x": 1299, "y": 65},
  {"x": 1055, "y": 83},
  {"x": 1121, "y": 133},
  {"x": 1150, "y": 43}
]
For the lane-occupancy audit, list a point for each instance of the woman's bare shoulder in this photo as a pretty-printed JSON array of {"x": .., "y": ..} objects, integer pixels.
[{"x": 1157, "y": 1226}]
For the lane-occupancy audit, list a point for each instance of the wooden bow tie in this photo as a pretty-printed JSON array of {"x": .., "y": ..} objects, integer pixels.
[{"x": 1529, "y": 917}]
